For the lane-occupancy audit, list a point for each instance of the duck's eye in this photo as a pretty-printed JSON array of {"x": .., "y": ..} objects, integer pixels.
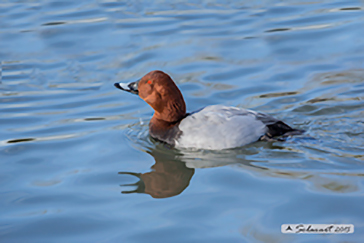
[{"x": 149, "y": 81}]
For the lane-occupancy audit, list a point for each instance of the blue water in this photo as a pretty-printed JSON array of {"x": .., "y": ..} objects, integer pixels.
[{"x": 77, "y": 164}]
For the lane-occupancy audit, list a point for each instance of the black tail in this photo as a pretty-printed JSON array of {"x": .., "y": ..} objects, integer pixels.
[{"x": 280, "y": 128}]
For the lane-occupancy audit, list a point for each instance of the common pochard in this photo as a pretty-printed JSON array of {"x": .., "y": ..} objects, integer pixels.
[{"x": 213, "y": 127}]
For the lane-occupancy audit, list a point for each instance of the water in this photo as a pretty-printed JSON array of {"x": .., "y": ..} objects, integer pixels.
[{"x": 70, "y": 142}]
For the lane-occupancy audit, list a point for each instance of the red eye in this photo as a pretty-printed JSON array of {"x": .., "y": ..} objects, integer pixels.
[{"x": 149, "y": 82}]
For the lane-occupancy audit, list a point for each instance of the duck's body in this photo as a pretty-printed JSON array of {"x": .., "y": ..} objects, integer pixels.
[
  {"x": 213, "y": 127},
  {"x": 220, "y": 127}
]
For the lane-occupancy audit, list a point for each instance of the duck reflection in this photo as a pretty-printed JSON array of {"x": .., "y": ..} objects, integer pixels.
[
  {"x": 169, "y": 176},
  {"x": 173, "y": 170}
]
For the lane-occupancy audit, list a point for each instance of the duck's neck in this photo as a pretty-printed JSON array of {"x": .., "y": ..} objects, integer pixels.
[
  {"x": 164, "y": 125},
  {"x": 164, "y": 131},
  {"x": 172, "y": 111}
]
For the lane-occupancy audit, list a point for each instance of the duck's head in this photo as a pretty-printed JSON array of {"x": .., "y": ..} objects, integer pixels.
[{"x": 161, "y": 93}]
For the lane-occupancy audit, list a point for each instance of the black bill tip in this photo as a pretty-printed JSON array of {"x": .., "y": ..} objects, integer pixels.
[{"x": 117, "y": 85}]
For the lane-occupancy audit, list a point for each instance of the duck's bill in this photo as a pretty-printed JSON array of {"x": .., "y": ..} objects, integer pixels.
[{"x": 129, "y": 87}]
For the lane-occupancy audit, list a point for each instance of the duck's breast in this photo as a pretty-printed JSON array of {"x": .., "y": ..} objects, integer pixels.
[{"x": 220, "y": 127}]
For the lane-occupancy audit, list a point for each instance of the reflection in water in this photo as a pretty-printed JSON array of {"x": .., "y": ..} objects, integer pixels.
[
  {"x": 20, "y": 140},
  {"x": 168, "y": 178},
  {"x": 173, "y": 170},
  {"x": 53, "y": 23}
]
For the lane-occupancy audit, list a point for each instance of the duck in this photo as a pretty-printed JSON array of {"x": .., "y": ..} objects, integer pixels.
[{"x": 214, "y": 127}]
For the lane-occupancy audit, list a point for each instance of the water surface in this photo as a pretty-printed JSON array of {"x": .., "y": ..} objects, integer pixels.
[{"x": 77, "y": 164}]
